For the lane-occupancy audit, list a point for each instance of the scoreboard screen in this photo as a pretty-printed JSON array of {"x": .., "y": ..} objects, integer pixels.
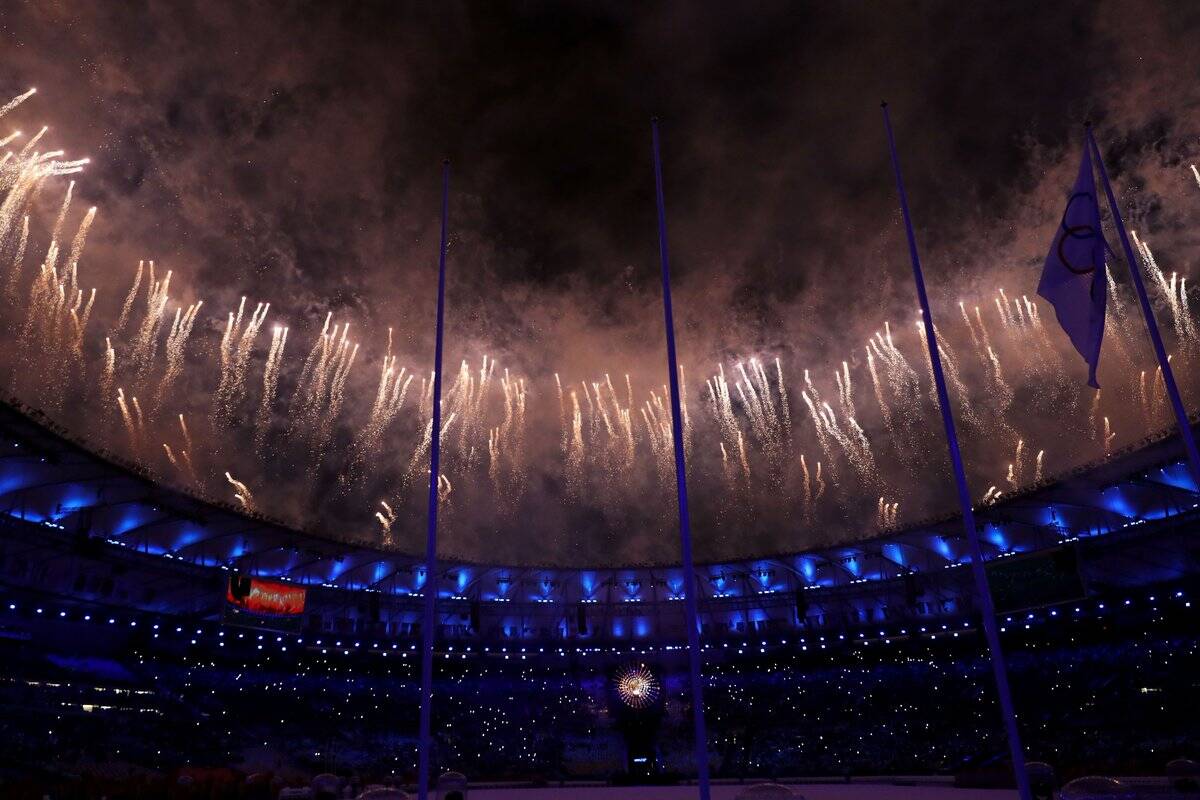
[
  {"x": 1044, "y": 578},
  {"x": 268, "y": 598}
]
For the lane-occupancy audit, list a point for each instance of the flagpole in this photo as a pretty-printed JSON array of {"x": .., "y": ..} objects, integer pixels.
[
  {"x": 988, "y": 610},
  {"x": 685, "y": 524},
  {"x": 430, "y": 586},
  {"x": 1181, "y": 417}
]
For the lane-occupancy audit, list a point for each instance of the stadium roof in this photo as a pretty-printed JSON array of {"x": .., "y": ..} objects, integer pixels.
[{"x": 47, "y": 477}]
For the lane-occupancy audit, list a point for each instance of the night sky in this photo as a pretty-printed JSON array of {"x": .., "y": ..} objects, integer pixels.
[{"x": 290, "y": 153}]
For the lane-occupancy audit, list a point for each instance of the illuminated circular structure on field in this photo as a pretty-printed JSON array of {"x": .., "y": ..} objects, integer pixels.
[{"x": 637, "y": 687}]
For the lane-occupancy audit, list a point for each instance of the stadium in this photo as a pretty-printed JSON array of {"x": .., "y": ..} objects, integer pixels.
[
  {"x": 572, "y": 400},
  {"x": 118, "y": 616}
]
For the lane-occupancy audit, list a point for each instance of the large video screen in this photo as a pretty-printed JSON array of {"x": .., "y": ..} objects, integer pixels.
[
  {"x": 267, "y": 598},
  {"x": 1040, "y": 579}
]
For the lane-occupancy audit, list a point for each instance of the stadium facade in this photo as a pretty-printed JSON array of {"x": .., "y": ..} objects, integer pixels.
[{"x": 80, "y": 529}]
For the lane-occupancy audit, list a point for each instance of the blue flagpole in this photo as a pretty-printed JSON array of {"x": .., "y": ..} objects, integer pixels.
[
  {"x": 685, "y": 523},
  {"x": 431, "y": 584},
  {"x": 984, "y": 593},
  {"x": 1181, "y": 417}
]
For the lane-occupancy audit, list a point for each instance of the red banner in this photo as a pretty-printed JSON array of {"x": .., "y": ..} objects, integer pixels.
[{"x": 265, "y": 597}]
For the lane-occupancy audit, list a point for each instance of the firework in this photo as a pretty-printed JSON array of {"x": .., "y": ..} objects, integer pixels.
[
  {"x": 739, "y": 428},
  {"x": 637, "y": 687}
]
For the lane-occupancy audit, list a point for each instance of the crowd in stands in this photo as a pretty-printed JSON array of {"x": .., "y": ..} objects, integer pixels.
[{"x": 1108, "y": 693}]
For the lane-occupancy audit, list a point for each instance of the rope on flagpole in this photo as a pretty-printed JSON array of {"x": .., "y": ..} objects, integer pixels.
[
  {"x": 685, "y": 525},
  {"x": 988, "y": 611},
  {"x": 1181, "y": 417},
  {"x": 430, "y": 586}
]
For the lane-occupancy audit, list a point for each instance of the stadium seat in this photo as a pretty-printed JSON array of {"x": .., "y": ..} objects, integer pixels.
[
  {"x": 452, "y": 786},
  {"x": 1096, "y": 788},
  {"x": 382, "y": 793},
  {"x": 1042, "y": 779},
  {"x": 325, "y": 786},
  {"x": 768, "y": 791},
  {"x": 1184, "y": 774}
]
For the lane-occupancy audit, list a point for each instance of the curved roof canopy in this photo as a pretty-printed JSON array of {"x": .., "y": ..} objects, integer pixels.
[{"x": 49, "y": 478}]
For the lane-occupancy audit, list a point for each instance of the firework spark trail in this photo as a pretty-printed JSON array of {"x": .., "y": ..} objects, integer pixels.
[
  {"x": 904, "y": 389},
  {"x": 32, "y": 143},
  {"x": 970, "y": 328},
  {"x": 390, "y": 394},
  {"x": 145, "y": 342},
  {"x": 753, "y": 406},
  {"x": 806, "y": 497},
  {"x": 19, "y": 183},
  {"x": 1037, "y": 474},
  {"x": 727, "y": 473},
  {"x": 181, "y": 330},
  {"x": 319, "y": 393},
  {"x": 765, "y": 418},
  {"x": 81, "y": 237},
  {"x": 337, "y": 396},
  {"x": 906, "y": 386},
  {"x": 1175, "y": 304},
  {"x": 127, "y": 418},
  {"x": 742, "y": 458},
  {"x": 18, "y": 260},
  {"x": 1166, "y": 287},
  {"x": 718, "y": 388},
  {"x": 494, "y": 460},
  {"x": 270, "y": 388},
  {"x": 108, "y": 375},
  {"x": 1003, "y": 305},
  {"x": 1094, "y": 415},
  {"x": 984, "y": 337},
  {"x": 236, "y": 344},
  {"x": 16, "y": 101},
  {"x": 966, "y": 409},
  {"x": 823, "y": 438},
  {"x": 465, "y": 399},
  {"x": 659, "y": 436},
  {"x": 885, "y": 410},
  {"x": 241, "y": 492},
  {"x": 1017, "y": 461},
  {"x": 683, "y": 404},
  {"x": 1115, "y": 326},
  {"x": 127, "y": 308},
  {"x": 300, "y": 399},
  {"x": 387, "y": 519},
  {"x": 887, "y": 515},
  {"x": 418, "y": 458},
  {"x": 50, "y": 340},
  {"x": 784, "y": 408},
  {"x": 1144, "y": 401},
  {"x": 1003, "y": 392},
  {"x": 1189, "y": 324},
  {"x": 61, "y": 219},
  {"x": 856, "y": 448},
  {"x": 1158, "y": 393}
]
